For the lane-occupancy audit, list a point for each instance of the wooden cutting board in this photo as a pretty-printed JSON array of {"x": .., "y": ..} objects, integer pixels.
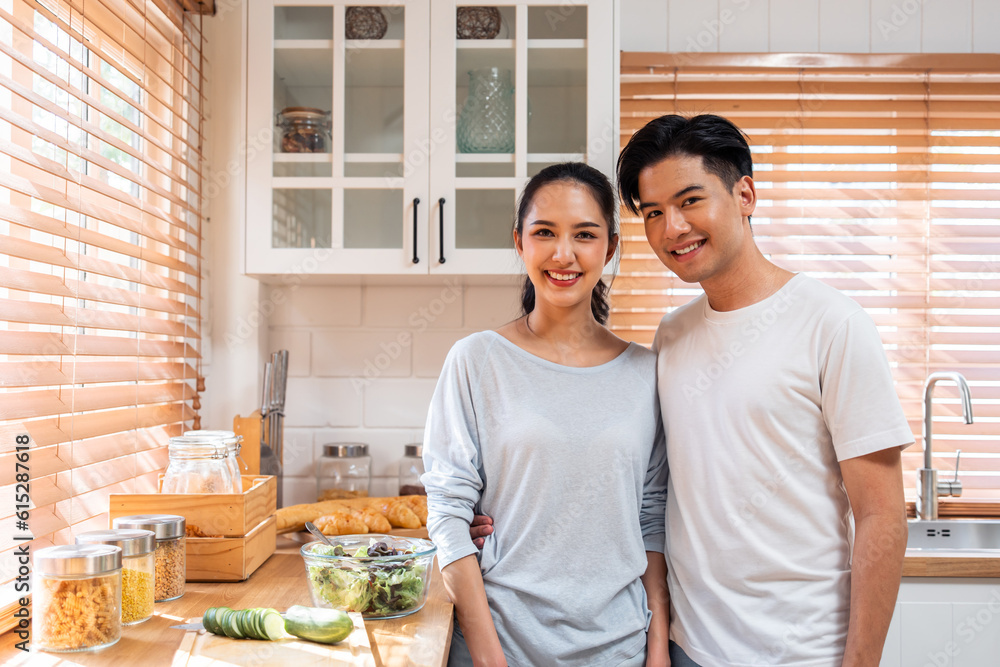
[{"x": 202, "y": 649}]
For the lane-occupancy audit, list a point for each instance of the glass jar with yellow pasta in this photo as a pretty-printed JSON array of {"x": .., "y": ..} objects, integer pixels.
[
  {"x": 170, "y": 555},
  {"x": 138, "y": 569},
  {"x": 76, "y": 597}
]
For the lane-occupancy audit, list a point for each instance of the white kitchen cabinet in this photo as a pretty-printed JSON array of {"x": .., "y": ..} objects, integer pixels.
[
  {"x": 945, "y": 622},
  {"x": 394, "y": 195}
]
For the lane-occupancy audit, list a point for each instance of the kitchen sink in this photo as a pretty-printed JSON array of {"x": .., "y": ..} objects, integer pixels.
[{"x": 954, "y": 534}]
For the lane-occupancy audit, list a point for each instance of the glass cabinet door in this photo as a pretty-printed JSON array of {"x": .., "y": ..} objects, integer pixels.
[
  {"x": 337, "y": 100},
  {"x": 521, "y": 95}
]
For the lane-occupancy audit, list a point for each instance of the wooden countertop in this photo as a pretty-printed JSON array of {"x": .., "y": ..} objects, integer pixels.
[
  {"x": 924, "y": 563},
  {"x": 420, "y": 639}
]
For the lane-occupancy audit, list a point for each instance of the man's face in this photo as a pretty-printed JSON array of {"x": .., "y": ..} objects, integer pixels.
[{"x": 697, "y": 226}]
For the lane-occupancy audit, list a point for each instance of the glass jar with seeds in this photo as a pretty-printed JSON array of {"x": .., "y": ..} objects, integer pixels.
[
  {"x": 170, "y": 554},
  {"x": 76, "y": 597},
  {"x": 138, "y": 569}
]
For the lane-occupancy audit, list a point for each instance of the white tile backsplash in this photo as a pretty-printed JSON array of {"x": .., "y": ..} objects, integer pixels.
[
  {"x": 372, "y": 381},
  {"x": 793, "y": 26},
  {"x": 488, "y": 307},
  {"x": 292, "y": 339},
  {"x": 844, "y": 26},
  {"x": 430, "y": 349},
  {"x": 946, "y": 26},
  {"x": 644, "y": 24},
  {"x": 398, "y": 403},
  {"x": 362, "y": 352},
  {"x": 743, "y": 26},
  {"x": 321, "y": 402},
  {"x": 416, "y": 308},
  {"x": 694, "y": 26},
  {"x": 986, "y": 26},
  {"x": 830, "y": 26},
  {"x": 316, "y": 306},
  {"x": 896, "y": 26}
]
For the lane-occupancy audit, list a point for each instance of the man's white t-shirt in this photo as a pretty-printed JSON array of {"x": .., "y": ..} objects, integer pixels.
[{"x": 759, "y": 406}]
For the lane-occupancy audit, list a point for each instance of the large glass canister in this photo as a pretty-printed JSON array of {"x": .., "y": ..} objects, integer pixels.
[
  {"x": 197, "y": 465},
  {"x": 170, "y": 555},
  {"x": 486, "y": 122},
  {"x": 138, "y": 569},
  {"x": 411, "y": 467},
  {"x": 344, "y": 471},
  {"x": 76, "y": 597},
  {"x": 234, "y": 443}
]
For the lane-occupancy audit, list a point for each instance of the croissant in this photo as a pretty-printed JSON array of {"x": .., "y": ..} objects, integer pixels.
[
  {"x": 398, "y": 513},
  {"x": 341, "y": 522},
  {"x": 376, "y": 522},
  {"x": 419, "y": 506}
]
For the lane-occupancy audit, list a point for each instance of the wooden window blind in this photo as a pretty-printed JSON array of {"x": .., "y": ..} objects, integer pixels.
[
  {"x": 100, "y": 234},
  {"x": 879, "y": 175}
]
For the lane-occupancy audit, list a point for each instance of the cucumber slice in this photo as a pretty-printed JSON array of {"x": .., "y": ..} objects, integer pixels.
[
  {"x": 208, "y": 618},
  {"x": 273, "y": 625},
  {"x": 232, "y": 627}
]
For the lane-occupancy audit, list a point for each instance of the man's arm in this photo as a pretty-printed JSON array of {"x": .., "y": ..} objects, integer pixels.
[
  {"x": 464, "y": 582},
  {"x": 874, "y": 484},
  {"x": 658, "y": 597}
]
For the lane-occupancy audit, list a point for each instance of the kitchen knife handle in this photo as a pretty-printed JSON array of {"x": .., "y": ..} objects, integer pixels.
[
  {"x": 416, "y": 259},
  {"x": 265, "y": 394},
  {"x": 441, "y": 228}
]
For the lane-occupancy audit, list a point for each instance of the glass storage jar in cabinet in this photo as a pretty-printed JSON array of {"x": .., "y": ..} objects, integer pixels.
[
  {"x": 234, "y": 444},
  {"x": 410, "y": 470},
  {"x": 170, "y": 555},
  {"x": 344, "y": 471},
  {"x": 76, "y": 597},
  {"x": 138, "y": 569},
  {"x": 197, "y": 465}
]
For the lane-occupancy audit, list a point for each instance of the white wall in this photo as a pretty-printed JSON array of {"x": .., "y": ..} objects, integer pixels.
[{"x": 838, "y": 26}]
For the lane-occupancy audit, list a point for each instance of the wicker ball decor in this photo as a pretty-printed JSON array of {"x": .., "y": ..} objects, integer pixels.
[
  {"x": 365, "y": 23},
  {"x": 478, "y": 22}
]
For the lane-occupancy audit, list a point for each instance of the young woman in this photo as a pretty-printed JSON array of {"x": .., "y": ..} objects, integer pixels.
[{"x": 550, "y": 425}]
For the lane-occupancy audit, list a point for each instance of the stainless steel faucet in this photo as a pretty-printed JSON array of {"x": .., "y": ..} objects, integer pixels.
[{"x": 928, "y": 487}]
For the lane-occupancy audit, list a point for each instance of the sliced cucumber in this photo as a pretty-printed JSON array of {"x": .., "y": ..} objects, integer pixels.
[{"x": 273, "y": 625}]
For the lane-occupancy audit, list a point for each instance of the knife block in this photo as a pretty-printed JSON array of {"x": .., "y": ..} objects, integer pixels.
[{"x": 249, "y": 428}]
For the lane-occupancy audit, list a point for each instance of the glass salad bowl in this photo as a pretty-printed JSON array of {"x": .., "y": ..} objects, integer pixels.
[{"x": 379, "y": 576}]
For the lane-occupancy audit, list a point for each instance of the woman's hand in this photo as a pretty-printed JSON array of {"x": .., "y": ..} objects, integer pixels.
[
  {"x": 657, "y": 645},
  {"x": 480, "y": 527}
]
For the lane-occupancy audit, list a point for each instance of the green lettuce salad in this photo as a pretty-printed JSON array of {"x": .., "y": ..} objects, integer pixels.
[{"x": 373, "y": 589}]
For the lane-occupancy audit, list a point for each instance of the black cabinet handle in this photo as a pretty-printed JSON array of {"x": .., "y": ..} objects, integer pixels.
[
  {"x": 416, "y": 259},
  {"x": 441, "y": 228}
]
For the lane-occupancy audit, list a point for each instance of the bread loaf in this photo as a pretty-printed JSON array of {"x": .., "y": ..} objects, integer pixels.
[{"x": 399, "y": 511}]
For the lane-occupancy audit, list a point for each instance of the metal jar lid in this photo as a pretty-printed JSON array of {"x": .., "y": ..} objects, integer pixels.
[
  {"x": 164, "y": 526},
  {"x": 416, "y": 450},
  {"x": 344, "y": 450},
  {"x": 232, "y": 440},
  {"x": 81, "y": 559},
  {"x": 131, "y": 542}
]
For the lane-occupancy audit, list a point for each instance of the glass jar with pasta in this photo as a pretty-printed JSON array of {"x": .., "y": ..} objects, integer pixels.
[
  {"x": 170, "y": 555},
  {"x": 138, "y": 569},
  {"x": 197, "y": 465},
  {"x": 76, "y": 597},
  {"x": 234, "y": 443}
]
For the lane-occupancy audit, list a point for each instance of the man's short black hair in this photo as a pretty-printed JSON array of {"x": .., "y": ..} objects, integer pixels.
[{"x": 721, "y": 145}]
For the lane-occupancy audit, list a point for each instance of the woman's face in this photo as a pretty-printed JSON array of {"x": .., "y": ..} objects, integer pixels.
[{"x": 564, "y": 242}]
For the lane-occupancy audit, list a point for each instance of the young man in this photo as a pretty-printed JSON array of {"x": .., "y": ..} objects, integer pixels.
[{"x": 782, "y": 425}]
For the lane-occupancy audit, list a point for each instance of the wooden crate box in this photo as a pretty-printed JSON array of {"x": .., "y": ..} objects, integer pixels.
[
  {"x": 238, "y": 531},
  {"x": 213, "y": 514}
]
